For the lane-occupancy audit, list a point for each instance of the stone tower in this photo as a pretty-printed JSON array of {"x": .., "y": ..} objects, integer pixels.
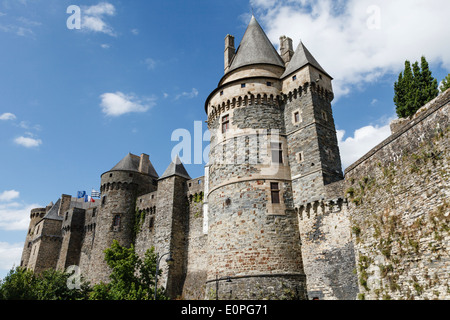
[
  {"x": 253, "y": 232},
  {"x": 131, "y": 177},
  {"x": 35, "y": 216},
  {"x": 172, "y": 221}
]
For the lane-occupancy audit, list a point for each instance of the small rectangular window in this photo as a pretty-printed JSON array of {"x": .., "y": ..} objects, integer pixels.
[
  {"x": 221, "y": 93},
  {"x": 116, "y": 222},
  {"x": 242, "y": 85},
  {"x": 294, "y": 78},
  {"x": 225, "y": 124},
  {"x": 275, "y": 192},
  {"x": 269, "y": 84},
  {"x": 297, "y": 117},
  {"x": 277, "y": 152}
]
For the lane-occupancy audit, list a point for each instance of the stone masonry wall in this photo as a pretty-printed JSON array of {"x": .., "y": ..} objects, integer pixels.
[
  {"x": 400, "y": 210},
  {"x": 194, "y": 285}
]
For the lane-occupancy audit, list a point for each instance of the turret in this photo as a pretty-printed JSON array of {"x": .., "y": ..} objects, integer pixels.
[
  {"x": 131, "y": 177},
  {"x": 35, "y": 216},
  {"x": 253, "y": 235}
]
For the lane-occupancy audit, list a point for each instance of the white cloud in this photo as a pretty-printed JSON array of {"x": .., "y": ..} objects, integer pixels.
[
  {"x": 363, "y": 140},
  {"x": 358, "y": 41},
  {"x": 28, "y": 142},
  {"x": 135, "y": 32},
  {"x": 105, "y": 46},
  {"x": 151, "y": 63},
  {"x": 10, "y": 254},
  {"x": 9, "y": 195},
  {"x": 189, "y": 95},
  {"x": 7, "y": 116},
  {"x": 93, "y": 18},
  {"x": 117, "y": 104},
  {"x": 15, "y": 216}
]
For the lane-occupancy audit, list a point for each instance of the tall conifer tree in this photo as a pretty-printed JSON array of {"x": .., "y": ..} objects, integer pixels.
[{"x": 414, "y": 88}]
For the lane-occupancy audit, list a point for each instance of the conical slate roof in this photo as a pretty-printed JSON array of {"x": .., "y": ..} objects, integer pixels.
[
  {"x": 176, "y": 168},
  {"x": 52, "y": 214},
  {"x": 131, "y": 163},
  {"x": 301, "y": 58},
  {"x": 255, "y": 47}
]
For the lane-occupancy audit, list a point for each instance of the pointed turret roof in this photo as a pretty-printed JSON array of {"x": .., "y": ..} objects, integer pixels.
[
  {"x": 131, "y": 163},
  {"x": 176, "y": 168},
  {"x": 301, "y": 58},
  {"x": 255, "y": 47},
  {"x": 52, "y": 214}
]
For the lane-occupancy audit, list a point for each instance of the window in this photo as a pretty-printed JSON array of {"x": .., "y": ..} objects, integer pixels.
[
  {"x": 151, "y": 223},
  {"x": 67, "y": 215},
  {"x": 221, "y": 93},
  {"x": 277, "y": 152},
  {"x": 297, "y": 117},
  {"x": 324, "y": 116},
  {"x": 275, "y": 192},
  {"x": 103, "y": 200},
  {"x": 116, "y": 222},
  {"x": 300, "y": 157},
  {"x": 269, "y": 84},
  {"x": 294, "y": 78},
  {"x": 199, "y": 181},
  {"x": 242, "y": 85},
  {"x": 94, "y": 211},
  {"x": 225, "y": 124}
]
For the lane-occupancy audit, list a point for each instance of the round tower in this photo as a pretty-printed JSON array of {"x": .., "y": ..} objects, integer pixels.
[
  {"x": 36, "y": 215},
  {"x": 132, "y": 177},
  {"x": 254, "y": 249}
]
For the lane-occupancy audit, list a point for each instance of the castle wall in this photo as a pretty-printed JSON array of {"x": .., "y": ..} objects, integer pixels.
[
  {"x": 46, "y": 245},
  {"x": 195, "y": 282},
  {"x": 116, "y": 216},
  {"x": 35, "y": 216},
  {"x": 399, "y": 208},
  {"x": 90, "y": 224},
  {"x": 327, "y": 247},
  {"x": 171, "y": 232},
  {"x": 146, "y": 208},
  {"x": 72, "y": 236}
]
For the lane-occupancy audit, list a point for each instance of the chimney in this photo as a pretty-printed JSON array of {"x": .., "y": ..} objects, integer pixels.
[
  {"x": 230, "y": 51},
  {"x": 144, "y": 163},
  {"x": 286, "y": 49}
]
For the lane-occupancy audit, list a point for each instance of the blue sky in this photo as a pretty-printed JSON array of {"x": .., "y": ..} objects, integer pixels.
[{"x": 74, "y": 102}]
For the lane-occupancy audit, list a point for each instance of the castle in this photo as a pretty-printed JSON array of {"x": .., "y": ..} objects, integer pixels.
[{"x": 273, "y": 217}]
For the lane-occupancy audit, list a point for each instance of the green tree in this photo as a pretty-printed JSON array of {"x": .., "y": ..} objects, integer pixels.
[
  {"x": 414, "y": 88},
  {"x": 445, "y": 83},
  {"x": 23, "y": 284},
  {"x": 132, "y": 278}
]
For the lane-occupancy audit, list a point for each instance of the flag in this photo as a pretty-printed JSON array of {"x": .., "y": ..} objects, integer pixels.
[
  {"x": 88, "y": 199},
  {"x": 81, "y": 194},
  {"x": 95, "y": 194}
]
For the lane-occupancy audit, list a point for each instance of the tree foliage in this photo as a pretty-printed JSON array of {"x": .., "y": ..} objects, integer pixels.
[
  {"x": 132, "y": 278},
  {"x": 415, "y": 87},
  {"x": 23, "y": 284},
  {"x": 445, "y": 83}
]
